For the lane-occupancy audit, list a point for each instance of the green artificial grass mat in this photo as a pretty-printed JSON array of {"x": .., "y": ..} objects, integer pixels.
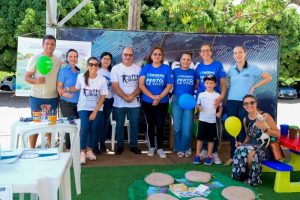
[{"x": 112, "y": 183}]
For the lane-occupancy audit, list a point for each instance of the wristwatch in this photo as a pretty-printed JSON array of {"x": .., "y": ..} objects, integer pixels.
[{"x": 67, "y": 89}]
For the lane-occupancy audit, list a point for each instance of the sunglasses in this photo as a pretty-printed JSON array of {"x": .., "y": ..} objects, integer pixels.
[
  {"x": 157, "y": 54},
  {"x": 249, "y": 103},
  {"x": 93, "y": 65},
  {"x": 129, "y": 55}
]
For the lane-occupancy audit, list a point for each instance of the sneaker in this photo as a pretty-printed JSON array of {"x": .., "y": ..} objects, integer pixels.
[
  {"x": 203, "y": 154},
  {"x": 135, "y": 150},
  {"x": 216, "y": 159},
  {"x": 151, "y": 151},
  {"x": 188, "y": 153},
  {"x": 229, "y": 162},
  {"x": 82, "y": 158},
  {"x": 196, "y": 160},
  {"x": 161, "y": 153},
  {"x": 180, "y": 154},
  {"x": 119, "y": 151},
  {"x": 90, "y": 155},
  {"x": 208, "y": 160}
]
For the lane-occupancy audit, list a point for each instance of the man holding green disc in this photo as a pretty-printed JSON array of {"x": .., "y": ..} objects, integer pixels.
[{"x": 41, "y": 73}]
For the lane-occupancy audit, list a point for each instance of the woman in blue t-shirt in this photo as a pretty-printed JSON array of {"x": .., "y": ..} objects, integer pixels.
[
  {"x": 67, "y": 77},
  {"x": 183, "y": 124},
  {"x": 155, "y": 82},
  {"x": 242, "y": 78}
]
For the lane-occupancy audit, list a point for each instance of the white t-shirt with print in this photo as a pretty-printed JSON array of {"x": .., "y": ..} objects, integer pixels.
[
  {"x": 106, "y": 75},
  {"x": 207, "y": 100},
  {"x": 128, "y": 80},
  {"x": 90, "y": 95}
]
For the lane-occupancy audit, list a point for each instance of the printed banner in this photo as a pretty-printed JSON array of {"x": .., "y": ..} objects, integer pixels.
[
  {"x": 262, "y": 50},
  {"x": 27, "y": 47}
]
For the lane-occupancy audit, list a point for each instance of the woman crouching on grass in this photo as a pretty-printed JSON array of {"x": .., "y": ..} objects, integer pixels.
[
  {"x": 93, "y": 89},
  {"x": 249, "y": 155}
]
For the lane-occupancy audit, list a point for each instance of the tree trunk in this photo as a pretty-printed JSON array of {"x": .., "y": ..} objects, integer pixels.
[{"x": 134, "y": 15}]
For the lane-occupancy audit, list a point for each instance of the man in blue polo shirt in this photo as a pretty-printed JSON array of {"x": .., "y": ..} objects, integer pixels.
[{"x": 213, "y": 67}]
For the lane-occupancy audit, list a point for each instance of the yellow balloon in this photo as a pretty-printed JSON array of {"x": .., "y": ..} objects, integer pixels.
[{"x": 233, "y": 126}]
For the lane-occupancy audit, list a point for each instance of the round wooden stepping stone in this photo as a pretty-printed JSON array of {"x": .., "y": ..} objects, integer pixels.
[
  {"x": 238, "y": 193},
  {"x": 198, "y": 176},
  {"x": 161, "y": 196},
  {"x": 159, "y": 179}
]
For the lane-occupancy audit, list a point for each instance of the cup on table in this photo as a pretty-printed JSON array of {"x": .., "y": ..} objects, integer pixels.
[
  {"x": 52, "y": 119},
  {"x": 284, "y": 129},
  {"x": 293, "y": 131},
  {"x": 37, "y": 116}
]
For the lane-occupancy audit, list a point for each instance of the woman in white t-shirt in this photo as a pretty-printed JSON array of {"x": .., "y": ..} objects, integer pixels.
[
  {"x": 104, "y": 70},
  {"x": 93, "y": 89}
]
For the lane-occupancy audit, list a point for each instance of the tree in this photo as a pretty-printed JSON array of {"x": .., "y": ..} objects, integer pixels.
[{"x": 23, "y": 17}]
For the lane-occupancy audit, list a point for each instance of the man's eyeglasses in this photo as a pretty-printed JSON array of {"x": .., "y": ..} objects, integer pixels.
[
  {"x": 127, "y": 54},
  {"x": 249, "y": 103},
  {"x": 93, "y": 65}
]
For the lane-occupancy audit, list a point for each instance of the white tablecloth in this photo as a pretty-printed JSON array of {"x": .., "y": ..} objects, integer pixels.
[
  {"x": 39, "y": 176},
  {"x": 19, "y": 127}
]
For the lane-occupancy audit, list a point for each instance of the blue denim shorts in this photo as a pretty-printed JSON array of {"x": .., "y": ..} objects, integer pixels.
[{"x": 35, "y": 103}]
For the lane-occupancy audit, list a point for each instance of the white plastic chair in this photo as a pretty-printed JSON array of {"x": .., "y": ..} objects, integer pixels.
[
  {"x": 42, "y": 133},
  {"x": 113, "y": 131}
]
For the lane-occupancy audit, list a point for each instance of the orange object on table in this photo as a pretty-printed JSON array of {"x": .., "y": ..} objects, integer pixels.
[
  {"x": 37, "y": 116},
  {"x": 52, "y": 119}
]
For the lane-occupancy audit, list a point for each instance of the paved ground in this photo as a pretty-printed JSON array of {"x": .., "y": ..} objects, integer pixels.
[{"x": 12, "y": 108}]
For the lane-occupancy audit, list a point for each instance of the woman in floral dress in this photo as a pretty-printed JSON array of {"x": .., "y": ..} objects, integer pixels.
[{"x": 249, "y": 155}]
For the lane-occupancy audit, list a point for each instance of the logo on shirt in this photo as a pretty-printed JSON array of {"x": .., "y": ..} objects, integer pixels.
[
  {"x": 129, "y": 78},
  {"x": 91, "y": 92}
]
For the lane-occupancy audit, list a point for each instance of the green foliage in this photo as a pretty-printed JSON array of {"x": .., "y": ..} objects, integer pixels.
[{"x": 24, "y": 17}]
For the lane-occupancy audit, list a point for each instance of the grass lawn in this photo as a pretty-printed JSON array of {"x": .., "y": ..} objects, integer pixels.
[{"x": 111, "y": 183}]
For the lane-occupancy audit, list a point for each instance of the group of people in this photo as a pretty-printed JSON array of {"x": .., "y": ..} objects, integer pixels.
[{"x": 127, "y": 89}]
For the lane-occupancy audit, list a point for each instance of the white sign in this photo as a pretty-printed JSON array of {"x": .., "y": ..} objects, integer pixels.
[{"x": 27, "y": 47}]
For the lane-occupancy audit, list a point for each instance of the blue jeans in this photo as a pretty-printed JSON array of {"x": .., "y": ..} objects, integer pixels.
[
  {"x": 106, "y": 119},
  {"x": 35, "y": 103},
  {"x": 89, "y": 129},
  {"x": 133, "y": 114},
  {"x": 183, "y": 125},
  {"x": 235, "y": 108}
]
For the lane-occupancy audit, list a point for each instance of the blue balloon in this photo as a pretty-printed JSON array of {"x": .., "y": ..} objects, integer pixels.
[{"x": 187, "y": 102}]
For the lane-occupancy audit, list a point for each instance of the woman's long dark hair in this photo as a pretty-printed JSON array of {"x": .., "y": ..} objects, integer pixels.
[
  {"x": 111, "y": 58},
  {"x": 149, "y": 59},
  {"x": 87, "y": 73}
]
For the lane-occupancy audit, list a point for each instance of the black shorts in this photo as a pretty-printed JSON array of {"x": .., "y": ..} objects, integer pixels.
[{"x": 207, "y": 131}]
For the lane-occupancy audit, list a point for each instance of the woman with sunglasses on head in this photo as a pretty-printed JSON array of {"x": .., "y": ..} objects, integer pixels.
[
  {"x": 242, "y": 76},
  {"x": 67, "y": 77},
  {"x": 249, "y": 155},
  {"x": 104, "y": 70},
  {"x": 183, "y": 125},
  {"x": 93, "y": 89},
  {"x": 155, "y": 82}
]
